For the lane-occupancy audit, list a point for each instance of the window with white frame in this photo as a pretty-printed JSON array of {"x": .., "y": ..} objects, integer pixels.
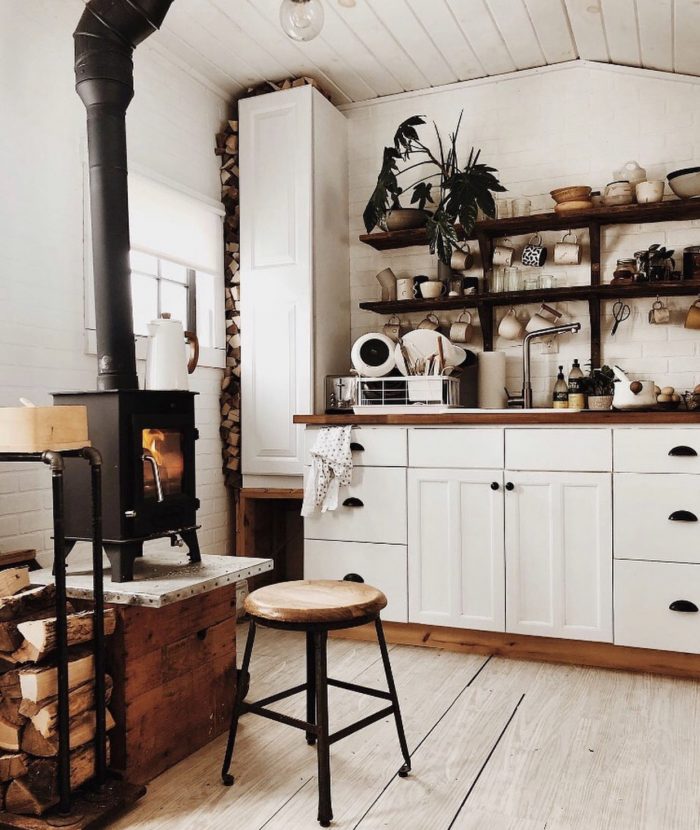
[{"x": 176, "y": 266}]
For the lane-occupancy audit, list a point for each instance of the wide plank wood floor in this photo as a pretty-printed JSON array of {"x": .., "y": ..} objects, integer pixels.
[{"x": 496, "y": 744}]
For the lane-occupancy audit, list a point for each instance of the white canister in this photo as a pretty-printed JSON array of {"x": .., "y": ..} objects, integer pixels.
[{"x": 492, "y": 380}]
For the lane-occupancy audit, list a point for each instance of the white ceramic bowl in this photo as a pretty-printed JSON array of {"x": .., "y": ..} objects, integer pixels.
[{"x": 685, "y": 183}]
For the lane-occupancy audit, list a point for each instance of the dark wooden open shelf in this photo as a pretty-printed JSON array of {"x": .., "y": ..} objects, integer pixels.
[{"x": 389, "y": 240}]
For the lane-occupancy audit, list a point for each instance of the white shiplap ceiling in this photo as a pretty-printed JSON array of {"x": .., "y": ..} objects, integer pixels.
[{"x": 381, "y": 47}]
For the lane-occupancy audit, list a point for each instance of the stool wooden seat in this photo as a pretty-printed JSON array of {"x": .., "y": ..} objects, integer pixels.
[
  {"x": 315, "y": 601},
  {"x": 316, "y": 607}
]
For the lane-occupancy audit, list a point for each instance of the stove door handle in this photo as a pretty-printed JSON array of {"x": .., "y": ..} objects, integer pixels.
[{"x": 149, "y": 459}]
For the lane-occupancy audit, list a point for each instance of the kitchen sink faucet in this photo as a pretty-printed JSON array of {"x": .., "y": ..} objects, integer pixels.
[{"x": 524, "y": 401}]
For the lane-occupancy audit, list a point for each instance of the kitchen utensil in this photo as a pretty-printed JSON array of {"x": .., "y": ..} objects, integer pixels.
[
  {"x": 510, "y": 327},
  {"x": 649, "y": 192},
  {"x": 534, "y": 253},
  {"x": 567, "y": 253},
  {"x": 692, "y": 318},
  {"x": 521, "y": 207},
  {"x": 167, "y": 363},
  {"x": 372, "y": 355},
  {"x": 659, "y": 313},
  {"x": 503, "y": 253},
  {"x": 573, "y": 193},
  {"x": 392, "y": 328},
  {"x": 629, "y": 394},
  {"x": 462, "y": 260},
  {"x": 544, "y": 318},
  {"x": 619, "y": 192},
  {"x": 691, "y": 262},
  {"x": 630, "y": 172},
  {"x": 432, "y": 289},
  {"x": 461, "y": 330},
  {"x": 572, "y": 207},
  {"x": 621, "y": 311},
  {"x": 401, "y": 219},
  {"x": 419, "y": 345},
  {"x": 431, "y": 323},
  {"x": 387, "y": 280},
  {"x": 404, "y": 289},
  {"x": 685, "y": 183}
]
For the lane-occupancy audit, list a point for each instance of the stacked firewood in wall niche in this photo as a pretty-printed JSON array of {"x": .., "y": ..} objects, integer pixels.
[{"x": 29, "y": 695}]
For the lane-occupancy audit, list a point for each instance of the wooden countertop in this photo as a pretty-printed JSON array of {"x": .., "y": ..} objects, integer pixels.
[{"x": 583, "y": 418}]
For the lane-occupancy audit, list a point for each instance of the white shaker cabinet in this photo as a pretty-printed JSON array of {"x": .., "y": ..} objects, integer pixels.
[
  {"x": 559, "y": 554},
  {"x": 294, "y": 269},
  {"x": 455, "y": 548}
]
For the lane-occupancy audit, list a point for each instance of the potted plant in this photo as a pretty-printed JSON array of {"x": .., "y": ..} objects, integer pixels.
[
  {"x": 600, "y": 386},
  {"x": 445, "y": 193},
  {"x": 655, "y": 264}
]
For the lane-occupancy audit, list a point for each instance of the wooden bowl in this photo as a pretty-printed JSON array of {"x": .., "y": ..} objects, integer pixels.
[
  {"x": 574, "y": 193},
  {"x": 566, "y": 207}
]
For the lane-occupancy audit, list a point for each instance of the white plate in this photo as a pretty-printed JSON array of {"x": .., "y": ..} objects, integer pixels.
[{"x": 421, "y": 343}]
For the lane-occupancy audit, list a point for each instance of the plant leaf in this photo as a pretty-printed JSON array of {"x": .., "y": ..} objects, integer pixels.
[
  {"x": 421, "y": 194},
  {"x": 442, "y": 235},
  {"x": 386, "y": 191},
  {"x": 406, "y": 133}
]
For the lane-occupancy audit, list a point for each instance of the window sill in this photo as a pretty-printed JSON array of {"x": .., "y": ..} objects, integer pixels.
[{"x": 208, "y": 358}]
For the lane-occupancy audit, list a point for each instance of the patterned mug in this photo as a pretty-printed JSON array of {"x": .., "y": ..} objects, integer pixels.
[{"x": 534, "y": 253}]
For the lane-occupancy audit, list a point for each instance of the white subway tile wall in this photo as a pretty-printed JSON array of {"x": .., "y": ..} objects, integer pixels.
[
  {"x": 567, "y": 126},
  {"x": 171, "y": 125}
]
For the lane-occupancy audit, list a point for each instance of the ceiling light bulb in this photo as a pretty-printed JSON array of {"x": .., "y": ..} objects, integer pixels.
[{"x": 301, "y": 19}]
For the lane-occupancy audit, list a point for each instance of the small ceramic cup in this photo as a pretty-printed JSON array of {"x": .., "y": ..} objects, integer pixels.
[
  {"x": 387, "y": 280},
  {"x": 692, "y": 318},
  {"x": 503, "y": 253},
  {"x": 510, "y": 327},
  {"x": 543, "y": 318},
  {"x": 659, "y": 314},
  {"x": 567, "y": 252},
  {"x": 430, "y": 322},
  {"x": 461, "y": 330},
  {"x": 462, "y": 260},
  {"x": 649, "y": 192},
  {"x": 404, "y": 288},
  {"x": 392, "y": 328},
  {"x": 534, "y": 253},
  {"x": 432, "y": 289}
]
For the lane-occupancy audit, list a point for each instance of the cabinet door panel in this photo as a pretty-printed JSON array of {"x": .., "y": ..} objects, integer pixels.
[
  {"x": 559, "y": 555},
  {"x": 456, "y": 563}
]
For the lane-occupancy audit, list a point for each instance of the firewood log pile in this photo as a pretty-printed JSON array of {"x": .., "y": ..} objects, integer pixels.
[{"x": 29, "y": 695}]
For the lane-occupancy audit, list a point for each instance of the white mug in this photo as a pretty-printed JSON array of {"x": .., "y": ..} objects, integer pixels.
[
  {"x": 392, "y": 329},
  {"x": 430, "y": 322},
  {"x": 461, "y": 330},
  {"x": 543, "y": 318},
  {"x": 503, "y": 254},
  {"x": 567, "y": 253},
  {"x": 462, "y": 260},
  {"x": 431, "y": 289},
  {"x": 404, "y": 288},
  {"x": 510, "y": 327}
]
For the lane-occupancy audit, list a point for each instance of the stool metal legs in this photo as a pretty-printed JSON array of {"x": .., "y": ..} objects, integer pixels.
[
  {"x": 310, "y": 686},
  {"x": 406, "y": 768},
  {"x": 242, "y": 684},
  {"x": 325, "y": 811}
]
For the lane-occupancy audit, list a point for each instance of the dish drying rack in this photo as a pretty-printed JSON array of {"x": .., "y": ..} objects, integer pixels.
[{"x": 430, "y": 393}]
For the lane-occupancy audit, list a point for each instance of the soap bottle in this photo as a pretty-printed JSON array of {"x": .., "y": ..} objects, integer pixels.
[
  {"x": 560, "y": 396},
  {"x": 577, "y": 397}
]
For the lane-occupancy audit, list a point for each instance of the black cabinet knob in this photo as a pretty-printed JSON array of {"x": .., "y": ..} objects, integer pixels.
[
  {"x": 352, "y": 578},
  {"x": 684, "y": 605},
  {"x": 682, "y": 516},
  {"x": 510, "y": 486},
  {"x": 355, "y": 447},
  {"x": 495, "y": 485},
  {"x": 353, "y": 501},
  {"x": 682, "y": 451}
]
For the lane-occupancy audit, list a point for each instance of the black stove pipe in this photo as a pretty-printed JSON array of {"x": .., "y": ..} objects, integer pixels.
[{"x": 106, "y": 36}]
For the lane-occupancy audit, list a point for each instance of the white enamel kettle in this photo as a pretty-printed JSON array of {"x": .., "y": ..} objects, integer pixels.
[
  {"x": 167, "y": 364},
  {"x": 637, "y": 394}
]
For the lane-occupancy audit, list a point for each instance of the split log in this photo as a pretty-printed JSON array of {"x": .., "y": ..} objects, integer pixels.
[
  {"x": 82, "y": 730},
  {"x": 44, "y": 714},
  {"x": 13, "y": 765},
  {"x": 27, "y": 602},
  {"x": 41, "y": 682},
  {"x": 40, "y": 635},
  {"x": 13, "y": 580},
  {"x": 19, "y": 557},
  {"x": 37, "y": 791},
  {"x": 11, "y": 639},
  {"x": 9, "y": 711},
  {"x": 10, "y": 736}
]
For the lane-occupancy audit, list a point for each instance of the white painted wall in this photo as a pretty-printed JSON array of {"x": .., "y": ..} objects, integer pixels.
[
  {"x": 545, "y": 129},
  {"x": 171, "y": 126}
]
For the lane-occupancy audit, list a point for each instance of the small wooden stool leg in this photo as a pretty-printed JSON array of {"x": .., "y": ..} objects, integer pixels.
[
  {"x": 325, "y": 810},
  {"x": 406, "y": 768},
  {"x": 242, "y": 684},
  {"x": 310, "y": 686}
]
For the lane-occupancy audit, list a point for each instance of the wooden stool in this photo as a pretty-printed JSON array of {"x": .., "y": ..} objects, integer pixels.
[{"x": 315, "y": 607}]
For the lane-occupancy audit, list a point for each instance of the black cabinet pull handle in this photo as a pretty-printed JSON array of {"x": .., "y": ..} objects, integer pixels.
[
  {"x": 510, "y": 486},
  {"x": 352, "y": 501},
  {"x": 682, "y": 450},
  {"x": 352, "y": 578},
  {"x": 355, "y": 447},
  {"x": 682, "y": 516},
  {"x": 495, "y": 485},
  {"x": 684, "y": 605}
]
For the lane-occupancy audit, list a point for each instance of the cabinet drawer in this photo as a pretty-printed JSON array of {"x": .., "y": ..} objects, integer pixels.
[
  {"x": 376, "y": 446},
  {"x": 379, "y": 517},
  {"x": 644, "y": 529},
  {"x": 643, "y": 593},
  {"x": 657, "y": 450},
  {"x": 465, "y": 448},
  {"x": 383, "y": 566},
  {"x": 559, "y": 450}
]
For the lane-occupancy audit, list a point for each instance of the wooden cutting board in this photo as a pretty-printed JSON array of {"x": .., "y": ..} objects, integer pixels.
[{"x": 39, "y": 428}]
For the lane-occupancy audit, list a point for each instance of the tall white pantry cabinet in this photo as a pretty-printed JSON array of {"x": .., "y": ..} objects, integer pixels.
[{"x": 295, "y": 285}]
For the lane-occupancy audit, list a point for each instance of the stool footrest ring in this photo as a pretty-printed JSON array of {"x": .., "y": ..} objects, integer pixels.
[
  {"x": 280, "y": 695},
  {"x": 363, "y": 690},
  {"x": 360, "y": 724}
]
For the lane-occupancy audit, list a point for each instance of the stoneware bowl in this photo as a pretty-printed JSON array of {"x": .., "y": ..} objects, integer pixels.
[
  {"x": 403, "y": 219},
  {"x": 685, "y": 183},
  {"x": 574, "y": 193}
]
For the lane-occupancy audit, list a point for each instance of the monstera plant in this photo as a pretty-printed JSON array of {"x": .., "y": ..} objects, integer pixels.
[{"x": 449, "y": 193}]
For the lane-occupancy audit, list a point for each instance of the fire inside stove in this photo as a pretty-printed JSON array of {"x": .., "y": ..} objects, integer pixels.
[{"x": 163, "y": 463}]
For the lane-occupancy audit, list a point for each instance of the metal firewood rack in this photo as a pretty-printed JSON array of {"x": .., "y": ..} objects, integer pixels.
[{"x": 55, "y": 460}]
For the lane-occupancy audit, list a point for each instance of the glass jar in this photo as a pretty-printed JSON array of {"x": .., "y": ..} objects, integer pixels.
[
  {"x": 521, "y": 207},
  {"x": 511, "y": 278},
  {"x": 495, "y": 280},
  {"x": 547, "y": 281},
  {"x": 531, "y": 282}
]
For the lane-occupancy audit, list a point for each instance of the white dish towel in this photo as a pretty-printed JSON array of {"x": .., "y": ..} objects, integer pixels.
[{"x": 331, "y": 467}]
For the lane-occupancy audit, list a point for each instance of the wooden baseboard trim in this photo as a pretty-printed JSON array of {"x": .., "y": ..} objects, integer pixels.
[{"x": 523, "y": 647}]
